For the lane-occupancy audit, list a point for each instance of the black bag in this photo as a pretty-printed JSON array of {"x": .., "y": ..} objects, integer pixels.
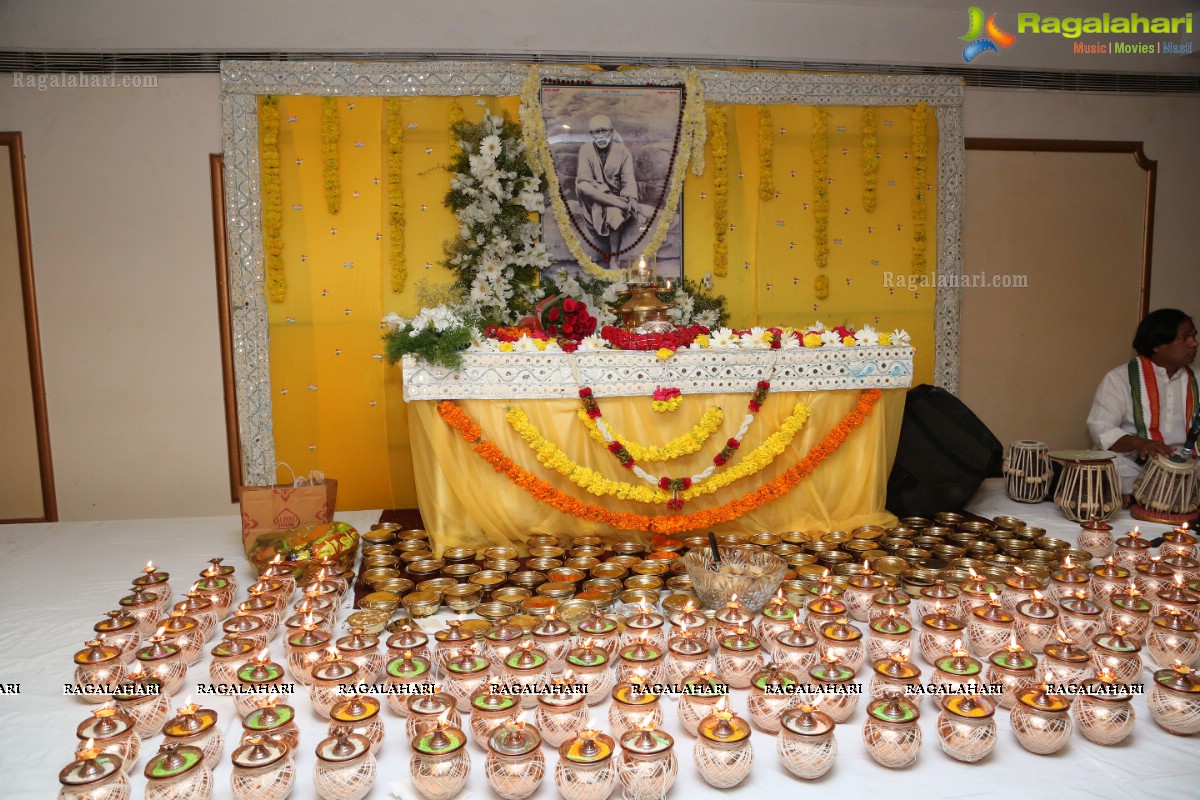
[{"x": 945, "y": 452}]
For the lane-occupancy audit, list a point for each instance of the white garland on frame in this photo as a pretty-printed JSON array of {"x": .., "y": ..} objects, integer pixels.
[{"x": 692, "y": 134}]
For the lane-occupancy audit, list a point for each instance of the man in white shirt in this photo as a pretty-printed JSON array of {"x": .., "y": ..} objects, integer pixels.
[{"x": 1143, "y": 408}]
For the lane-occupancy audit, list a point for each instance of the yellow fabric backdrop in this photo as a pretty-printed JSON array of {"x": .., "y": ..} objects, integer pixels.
[{"x": 338, "y": 407}]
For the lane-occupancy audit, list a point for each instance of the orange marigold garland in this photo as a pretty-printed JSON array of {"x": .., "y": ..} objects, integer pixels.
[{"x": 674, "y": 523}]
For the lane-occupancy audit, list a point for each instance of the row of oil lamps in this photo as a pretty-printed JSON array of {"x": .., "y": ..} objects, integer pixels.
[
  {"x": 181, "y": 632},
  {"x": 345, "y": 765}
]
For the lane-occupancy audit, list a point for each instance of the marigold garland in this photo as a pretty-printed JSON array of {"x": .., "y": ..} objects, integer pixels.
[
  {"x": 454, "y": 116},
  {"x": 691, "y": 139},
  {"x": 272, "y": 193},
  {"x": 666, "y": 401},
  {"x": 766, "y": 155},
  {"x": 673, "y": 523},
  {"x": 870, "y": 162},
  {"x": 819, "y": 145},
  {"x": 591, "y": 407},
  {"x": 672, "y": 491},
  {"x": 331, "y": 130},
  {"x": 720, "y": 156},
  {"x": 920, "y": 150},
  {"x": 683, "y": 445},
  {"x": 394, "y": 134}
]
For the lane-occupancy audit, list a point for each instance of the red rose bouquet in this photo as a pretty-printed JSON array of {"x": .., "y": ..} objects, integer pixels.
[{"x": 562, "y": 318}]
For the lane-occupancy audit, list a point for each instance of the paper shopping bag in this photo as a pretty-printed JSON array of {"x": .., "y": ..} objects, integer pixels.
[{"x": 268, "y": 512}]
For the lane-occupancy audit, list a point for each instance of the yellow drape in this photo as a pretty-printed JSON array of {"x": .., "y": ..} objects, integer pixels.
[
  {"x": 338, "y": 407},
  {"x": 465, "y": 503}
]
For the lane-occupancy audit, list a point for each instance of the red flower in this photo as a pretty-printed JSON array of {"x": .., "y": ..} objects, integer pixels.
[
  {"x": 734, "y": 443},
  {"x": 552, "y": 315},
  {"x": 614, "y": 447},
  {"x": 568, "y": 346},
  {"x": 568, "y": 305},
  {"x": 585, "y": 392},
  {"x": 552, "y": 330},
  {"x": 755, "y": 406},
  {"x": 664, "y": 483},
  {"x": 719, "y": 460},
  {"x": 568, "y": 329}
]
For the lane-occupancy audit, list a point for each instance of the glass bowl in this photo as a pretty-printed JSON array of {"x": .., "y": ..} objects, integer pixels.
[{"x": 714, "y": 588}]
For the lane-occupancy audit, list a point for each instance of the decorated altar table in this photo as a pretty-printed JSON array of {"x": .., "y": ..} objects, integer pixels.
[{"x": 831, "y": 475}]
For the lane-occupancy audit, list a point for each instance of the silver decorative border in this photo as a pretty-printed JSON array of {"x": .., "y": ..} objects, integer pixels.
[
  {"x": 243, "y": 81},
  {"x": 952, "y": 194},
  {"x": 633, "y": 373}
]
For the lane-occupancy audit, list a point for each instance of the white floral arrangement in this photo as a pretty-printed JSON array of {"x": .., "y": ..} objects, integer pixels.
[{"x": 497, "y": 254}]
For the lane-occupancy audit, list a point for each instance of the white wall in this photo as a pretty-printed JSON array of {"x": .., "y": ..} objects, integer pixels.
[
  {"x": 122, "y": 251},
  {"x": 1168, "y": 127},
  {"x": 119, "y": 194}
]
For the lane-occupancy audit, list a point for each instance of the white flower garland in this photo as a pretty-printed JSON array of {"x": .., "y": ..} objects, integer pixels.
[{"x": 691, "y": 149}]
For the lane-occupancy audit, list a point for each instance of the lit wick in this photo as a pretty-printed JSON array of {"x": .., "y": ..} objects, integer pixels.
[
  {"x": 106, "y": 726},
  {"x": 90, "y": 767},
  {"x": 723, "y": 729},
  {"x": 645, "y": 739},
  {"x": 959, "y": 655},
  {"x": 187, "y": 719},
  {"x": 514, "y": 737},
  {"x": 260, "y": 671},
  {"x": 588, "y": 747},
  {"x": 269, "y": 716}
]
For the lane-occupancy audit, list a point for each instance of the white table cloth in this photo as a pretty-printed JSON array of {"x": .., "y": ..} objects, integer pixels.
[{"x": 58, "y": 580}]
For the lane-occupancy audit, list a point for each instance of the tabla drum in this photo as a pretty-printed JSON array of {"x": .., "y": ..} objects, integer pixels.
[
  {"x": 1027, "y": 471},
  {"x": 1089, "y": 485},
  {"x": 1167, "y": 491}
]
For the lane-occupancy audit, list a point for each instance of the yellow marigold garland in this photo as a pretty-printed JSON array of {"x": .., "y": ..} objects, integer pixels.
[
  {"x": 683, "y": 445},
  {"x": 720, "y": 157},
  {"x": 667, "y": 406},
  {"x": 453, "y": 117},
  {"x": 757, "y": 459},
  {"x": 272, "y": 193},
  {"x": 394, "y": 134},
  {"x": 669, "y": 524},
  {"x": 593, "y": 482},
  {"x": 870, "y": 163},
  {"x": 820, "y": 160},
  {"x": 920, "y": 150},
  {"x": 691, "y": 139},
  {"x": 585, "y": 478},
  {"x": 331, "y": 130},
  {"x": 766, "y": 155}
]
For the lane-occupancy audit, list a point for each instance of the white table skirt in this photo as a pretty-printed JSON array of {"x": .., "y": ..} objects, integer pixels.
[{"x": 58, "y": 580}]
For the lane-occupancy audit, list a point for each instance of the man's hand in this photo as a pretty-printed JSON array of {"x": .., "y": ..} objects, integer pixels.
[{"x": 1144, "y": 448}]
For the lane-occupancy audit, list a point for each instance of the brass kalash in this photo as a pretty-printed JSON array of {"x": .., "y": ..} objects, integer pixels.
[{"x": 645, "y": 311}]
